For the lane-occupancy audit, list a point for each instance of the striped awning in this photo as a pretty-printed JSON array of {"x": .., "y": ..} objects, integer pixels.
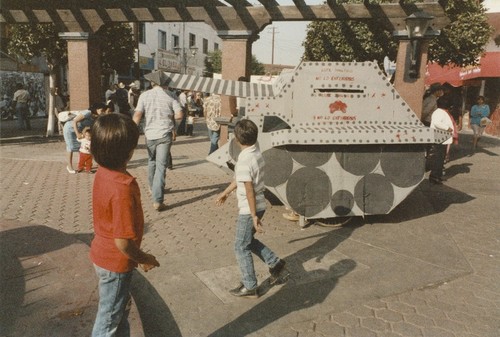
[{"x": 219, "y": 86}]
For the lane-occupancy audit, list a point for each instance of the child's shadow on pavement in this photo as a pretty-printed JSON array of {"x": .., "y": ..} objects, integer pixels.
[
  {"x": 37, "y": 278},
  {"x": 292, "y": 297}
]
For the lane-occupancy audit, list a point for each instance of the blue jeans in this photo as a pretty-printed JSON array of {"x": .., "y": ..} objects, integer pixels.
[
  {"x": 245, "y": 245},
  {"x": 114, "y": 295},
  {"x": 214, "y": 140},
  {"x": 23, "y": 118},
  {"x": 158, "y": 160}
]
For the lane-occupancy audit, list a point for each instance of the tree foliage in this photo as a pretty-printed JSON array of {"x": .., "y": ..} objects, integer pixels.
[
  {"x": 464, "y": 39},
  {"x": 117, "y": 47},
  {"x": 460, "y": 43},
  {"x": 33, "y": 40},
  {"x": 213, "y": 64},
  {"x": 30, "y": 40}
]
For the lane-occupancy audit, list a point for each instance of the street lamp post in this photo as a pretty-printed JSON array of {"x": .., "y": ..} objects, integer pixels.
[
  {"x": 411, "y": 58},
  {"x": 417, "y": 25},
  {"x": 185, "y": 56}
]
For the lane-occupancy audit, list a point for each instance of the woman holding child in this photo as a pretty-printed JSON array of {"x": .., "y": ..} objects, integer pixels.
[{"x": 72, "y": 130}]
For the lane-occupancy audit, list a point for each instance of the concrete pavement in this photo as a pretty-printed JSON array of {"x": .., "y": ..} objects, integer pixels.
[{"x": 430, "y": 268}]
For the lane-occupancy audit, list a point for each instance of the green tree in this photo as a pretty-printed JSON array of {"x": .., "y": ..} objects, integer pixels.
[
  {"x": 464, "y": 39},
  {"x": 257, "y": 67},
  {"x": 213, "y": 64},
  {"x": 34, "y": 40},
  {"x": 460, "y": 43},
  {"x": 117, "y": 47},
  {"x": 31, "y": 40}
]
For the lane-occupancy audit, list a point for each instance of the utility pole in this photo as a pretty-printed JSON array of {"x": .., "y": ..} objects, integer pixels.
[
  {"x": 274, "y": 32},
  {"x": 272, "y": 55},
  {"x": 137, "y": 65}
]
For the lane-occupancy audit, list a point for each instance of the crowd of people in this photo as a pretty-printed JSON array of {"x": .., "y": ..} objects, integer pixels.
[
  {"x": 123, "y": 100},
  {"x": 442, "y": 110}
]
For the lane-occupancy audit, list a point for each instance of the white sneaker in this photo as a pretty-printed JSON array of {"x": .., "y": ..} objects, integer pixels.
[{"x": 292, "y": 216}]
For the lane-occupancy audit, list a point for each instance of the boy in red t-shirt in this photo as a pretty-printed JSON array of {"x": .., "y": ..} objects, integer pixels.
[{"x": 118, "y": 222}]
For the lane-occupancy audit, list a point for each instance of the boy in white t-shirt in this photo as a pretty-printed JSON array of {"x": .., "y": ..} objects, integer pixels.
[{"x": 249, "y": 185}]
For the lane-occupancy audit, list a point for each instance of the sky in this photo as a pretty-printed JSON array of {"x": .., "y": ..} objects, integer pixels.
[{"x": 288, "y": 37}]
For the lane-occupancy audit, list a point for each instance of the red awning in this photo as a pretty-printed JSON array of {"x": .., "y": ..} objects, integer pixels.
[
  {"x": 489, "y": 66},
  {"x": 437, "y": 74}
]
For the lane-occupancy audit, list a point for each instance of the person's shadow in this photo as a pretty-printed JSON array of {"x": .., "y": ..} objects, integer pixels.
[
  {"x": 294, "y": 296},
  {"x": 21, "y": 243}
]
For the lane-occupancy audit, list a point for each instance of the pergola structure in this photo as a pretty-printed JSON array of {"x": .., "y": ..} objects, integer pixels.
[{"x": 237, "y": 22}]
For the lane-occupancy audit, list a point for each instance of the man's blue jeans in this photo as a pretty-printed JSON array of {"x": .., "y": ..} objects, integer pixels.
[
  {"x": 245, "y": 245},
  {"x": 214, "y": 140},
  {"x": 158, "y": 150},
  {"x": 114, "y": 295}
]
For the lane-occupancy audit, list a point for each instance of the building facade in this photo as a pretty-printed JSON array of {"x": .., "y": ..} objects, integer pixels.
[{"x": 175, "y": 47}]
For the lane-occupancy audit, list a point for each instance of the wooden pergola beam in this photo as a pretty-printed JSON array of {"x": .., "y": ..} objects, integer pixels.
[{"x": 89, "y": 15}]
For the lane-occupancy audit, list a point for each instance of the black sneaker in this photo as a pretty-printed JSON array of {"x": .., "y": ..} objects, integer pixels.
[
  {"x": 241, "y": 291},
  {"x": 277, "y": 272}
]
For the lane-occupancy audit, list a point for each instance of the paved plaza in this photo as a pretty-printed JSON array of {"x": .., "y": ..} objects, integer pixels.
[{"x": 430, "y": 268}]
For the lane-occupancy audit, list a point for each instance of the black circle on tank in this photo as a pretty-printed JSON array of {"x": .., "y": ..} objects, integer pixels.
[
  {"x": 374, "y": 194},
  {"x": 308, "y": 191},
  {"x": 279, "y": 165},
  {"x": 403, "y": 165},
  {"x": 342, "y": 202},
  {"x": 310, "y": 155},
  {"x": 359, "y": 160}
]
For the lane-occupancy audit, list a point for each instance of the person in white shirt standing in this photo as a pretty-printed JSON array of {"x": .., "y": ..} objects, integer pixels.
[
  {"x": 21, "y": 97},
  {"x": 441, "y": 120}
]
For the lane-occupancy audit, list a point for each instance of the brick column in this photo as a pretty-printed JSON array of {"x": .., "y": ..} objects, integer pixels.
[
  {"x": 411, "y": 89},
  {"x": 84, "y": 70},
  {"x": 236, "y": 65}
]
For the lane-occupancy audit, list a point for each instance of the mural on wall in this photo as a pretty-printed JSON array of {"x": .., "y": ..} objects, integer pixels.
[
  {"x": 33, "y": 82},
  {"x": 337, "y": 138}
]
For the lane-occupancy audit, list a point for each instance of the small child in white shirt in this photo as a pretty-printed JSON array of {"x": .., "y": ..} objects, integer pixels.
[
  {"x": 190, "y": 123},
  {"x": 85, "y": 161}
]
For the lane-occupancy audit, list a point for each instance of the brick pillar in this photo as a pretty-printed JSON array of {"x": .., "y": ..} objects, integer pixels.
[
  {"x": 411, "y": 89},
  {"x": 84, "y": 70},
  {"x": 236, "y": 65}
]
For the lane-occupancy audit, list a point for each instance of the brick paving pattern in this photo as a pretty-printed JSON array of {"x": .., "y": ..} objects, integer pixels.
[{"x": 450, "y": 231}]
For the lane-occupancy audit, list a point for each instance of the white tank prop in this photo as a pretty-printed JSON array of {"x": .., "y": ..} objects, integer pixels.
[{"x": 337, "y": 138}]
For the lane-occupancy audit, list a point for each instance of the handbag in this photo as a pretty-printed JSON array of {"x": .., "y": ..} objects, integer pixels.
[
  {"x": 66, "y": 116},
  {"x": 485, "y": 121}
]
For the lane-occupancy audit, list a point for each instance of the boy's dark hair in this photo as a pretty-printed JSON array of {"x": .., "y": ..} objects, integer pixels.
[
  {"x": 114, "y": 137},
  {"x": 443, "y": 102},
  {"x": 246, "y": 132}
]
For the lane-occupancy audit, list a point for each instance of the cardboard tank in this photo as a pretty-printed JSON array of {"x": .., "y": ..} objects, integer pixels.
[{"x": 337, "y": 138}]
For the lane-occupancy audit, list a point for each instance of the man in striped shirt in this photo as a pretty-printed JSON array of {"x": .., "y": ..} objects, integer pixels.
[{"x": 160, "y": 111}]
